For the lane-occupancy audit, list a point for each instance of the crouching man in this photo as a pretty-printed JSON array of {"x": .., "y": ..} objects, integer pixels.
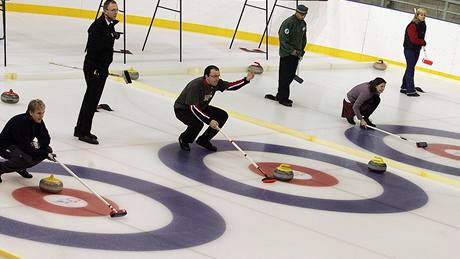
[{"x": 24, "y": 141}]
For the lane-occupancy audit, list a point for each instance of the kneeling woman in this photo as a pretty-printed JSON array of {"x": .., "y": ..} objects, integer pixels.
[{"x": 362, "y": 100}]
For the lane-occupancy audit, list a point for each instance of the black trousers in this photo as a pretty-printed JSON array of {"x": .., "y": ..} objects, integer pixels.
[
  {"x": 95, "y": 83},
  {"x": 194, "y": 125},
  {"x": 16, "y": 160},
  {"x": 286, "y": 74}
]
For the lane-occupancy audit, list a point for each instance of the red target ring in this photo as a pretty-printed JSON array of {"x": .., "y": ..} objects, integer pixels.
[
  {"x": 34, "y": 197},
  {"x": 441, "y": 150},
  {"x": 318, "y": 178}
]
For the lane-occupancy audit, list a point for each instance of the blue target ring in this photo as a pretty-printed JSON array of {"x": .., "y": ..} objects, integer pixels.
[
  {"x": 399, "y": 194},
  {"x": 373, "y": 141},
  {"x": 193, "y": 223}
]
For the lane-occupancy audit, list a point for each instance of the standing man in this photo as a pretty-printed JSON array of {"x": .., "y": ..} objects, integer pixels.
[
  {"x": 99, "y": 55},
  {"x": 293, "y": 39},
  {"x": 193, "y": 109},
  {"x": 17, "y": 141}
]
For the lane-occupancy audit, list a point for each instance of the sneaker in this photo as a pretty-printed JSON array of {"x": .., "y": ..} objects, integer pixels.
[
  {"x": 418, "y": 89},
  {"x": 285, "y": 103},
  {"x": 271, "y": 97},
  {"x": 369, "y": 122},
  {"x": 183, "y": 145},
  {"x": 24, "y": 173},
  {"x": 88, "y": 139},
  {"x": 403, "y": 91},
  {"x": 351, "y": 121},
  {"x": 415, "y": 94},
  {"x": 206, "y": 144}
]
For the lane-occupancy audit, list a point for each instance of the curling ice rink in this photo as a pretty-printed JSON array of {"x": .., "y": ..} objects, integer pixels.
[{"x": 211, "y": 205}]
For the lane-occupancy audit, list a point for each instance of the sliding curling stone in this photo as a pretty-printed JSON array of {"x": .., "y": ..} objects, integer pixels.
[
  {"x": 377, "y": 165},
  {"x": 256, "y": 68},
  {"x": 133, "y": 73},
  {"x": 283, "y": 173},
  {"x": 380, "y": 65},
  {"x": 51, "y": 184},
  {"x": 10, "y": 97}
]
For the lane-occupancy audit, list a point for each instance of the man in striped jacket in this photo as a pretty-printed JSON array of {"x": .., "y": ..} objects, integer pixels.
[{"x": 193, "y": 109}]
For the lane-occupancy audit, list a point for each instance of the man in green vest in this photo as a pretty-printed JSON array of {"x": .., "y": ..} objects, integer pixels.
[{"x": 293, "y": 39}]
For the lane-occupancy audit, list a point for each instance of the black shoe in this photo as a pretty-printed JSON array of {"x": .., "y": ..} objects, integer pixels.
[
  {"x": 351, "y": 121},
  {"x": 285, "y": 103},
  {"x": 418, "y": 89},
  {"x": 24, "y": 173},
  {"x": 289, "y": 101},
  {"x": 206, "y": 144},
  {"x": 369, "y": 122},
  {"x": 79, "y": 134},
  {"x": 88, "y": 139},
  {"x": 415, "y": 94},
  {"x": 271, "y": 97},
  {"x": 403, "y": 91},
  {"x": 104, "y": 106},
  {"x": 0, "y": 178},
  {"x": 183, "y": 145}
]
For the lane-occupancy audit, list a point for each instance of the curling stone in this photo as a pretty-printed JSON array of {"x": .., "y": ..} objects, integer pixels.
[
  {"x": 10, "y": 97},
  {"x": 377, "y": 165},
  {"x": 51, "y": 184},
  {"x": 133, "y": 73},
  {"x": 380, "y": 65},
  {"x": 256, "y": 68},
  {"x": 283, "y": 173}
]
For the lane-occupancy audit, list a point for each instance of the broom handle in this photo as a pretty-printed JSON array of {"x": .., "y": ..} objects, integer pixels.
[
  {"x": 244, "y": 153},
  {"x": 86, "y": 185},
  {"x": 389, "y": 133},
  {"x": 78, "y": 68},
  {"x": 424, "y": 52}
]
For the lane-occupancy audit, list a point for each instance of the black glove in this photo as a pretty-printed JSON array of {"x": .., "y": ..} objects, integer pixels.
[
  {"x": 116, "y": 35},
  {"x": 51, "y": 157},
  {"x": 297, "y": 53}
]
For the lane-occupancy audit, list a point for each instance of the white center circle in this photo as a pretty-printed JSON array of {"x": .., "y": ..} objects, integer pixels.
[
  {"x": 65, "y": 201},
  {"x": 454, "y": 152},
  {"x": 301, "y": 176}
]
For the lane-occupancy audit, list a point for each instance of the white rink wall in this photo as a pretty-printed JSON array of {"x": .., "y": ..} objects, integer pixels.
[{"x": 338, "y": 24}]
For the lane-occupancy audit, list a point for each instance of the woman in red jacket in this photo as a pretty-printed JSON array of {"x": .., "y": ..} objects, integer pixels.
[{"x": 414, "y": 39}]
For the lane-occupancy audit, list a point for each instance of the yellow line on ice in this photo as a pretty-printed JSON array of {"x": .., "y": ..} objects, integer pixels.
[
  {"x": 366, "y": 155},
  {"x": 8, "y": 255}
]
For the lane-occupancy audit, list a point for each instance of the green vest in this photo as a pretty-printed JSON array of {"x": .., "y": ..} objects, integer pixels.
[{"x": 292, "y": 35}]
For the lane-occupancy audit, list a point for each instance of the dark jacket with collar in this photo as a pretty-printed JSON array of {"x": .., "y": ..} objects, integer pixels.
[
  {"x": 99, "y": 48},
  {"x": 292, "y": 35},
  {"x": 20, "y": 131}
]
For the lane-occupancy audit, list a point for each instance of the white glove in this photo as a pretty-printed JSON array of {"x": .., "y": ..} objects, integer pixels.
[{"x": 51, "y": 157}]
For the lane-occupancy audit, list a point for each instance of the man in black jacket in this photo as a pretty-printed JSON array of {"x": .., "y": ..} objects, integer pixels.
[
  {"x": 99, "y": 55},
  {"x": 17, "y": 141}
]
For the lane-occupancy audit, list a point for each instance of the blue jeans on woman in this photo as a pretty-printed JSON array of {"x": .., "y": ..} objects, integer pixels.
[{"x": 411, "y": 56}]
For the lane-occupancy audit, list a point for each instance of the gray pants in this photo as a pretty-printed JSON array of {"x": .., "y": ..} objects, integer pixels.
[{"x": 16, "y": 160}]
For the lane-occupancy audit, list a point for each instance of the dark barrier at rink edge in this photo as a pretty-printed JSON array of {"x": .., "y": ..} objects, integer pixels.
[{"x": 399, "y": 195}]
